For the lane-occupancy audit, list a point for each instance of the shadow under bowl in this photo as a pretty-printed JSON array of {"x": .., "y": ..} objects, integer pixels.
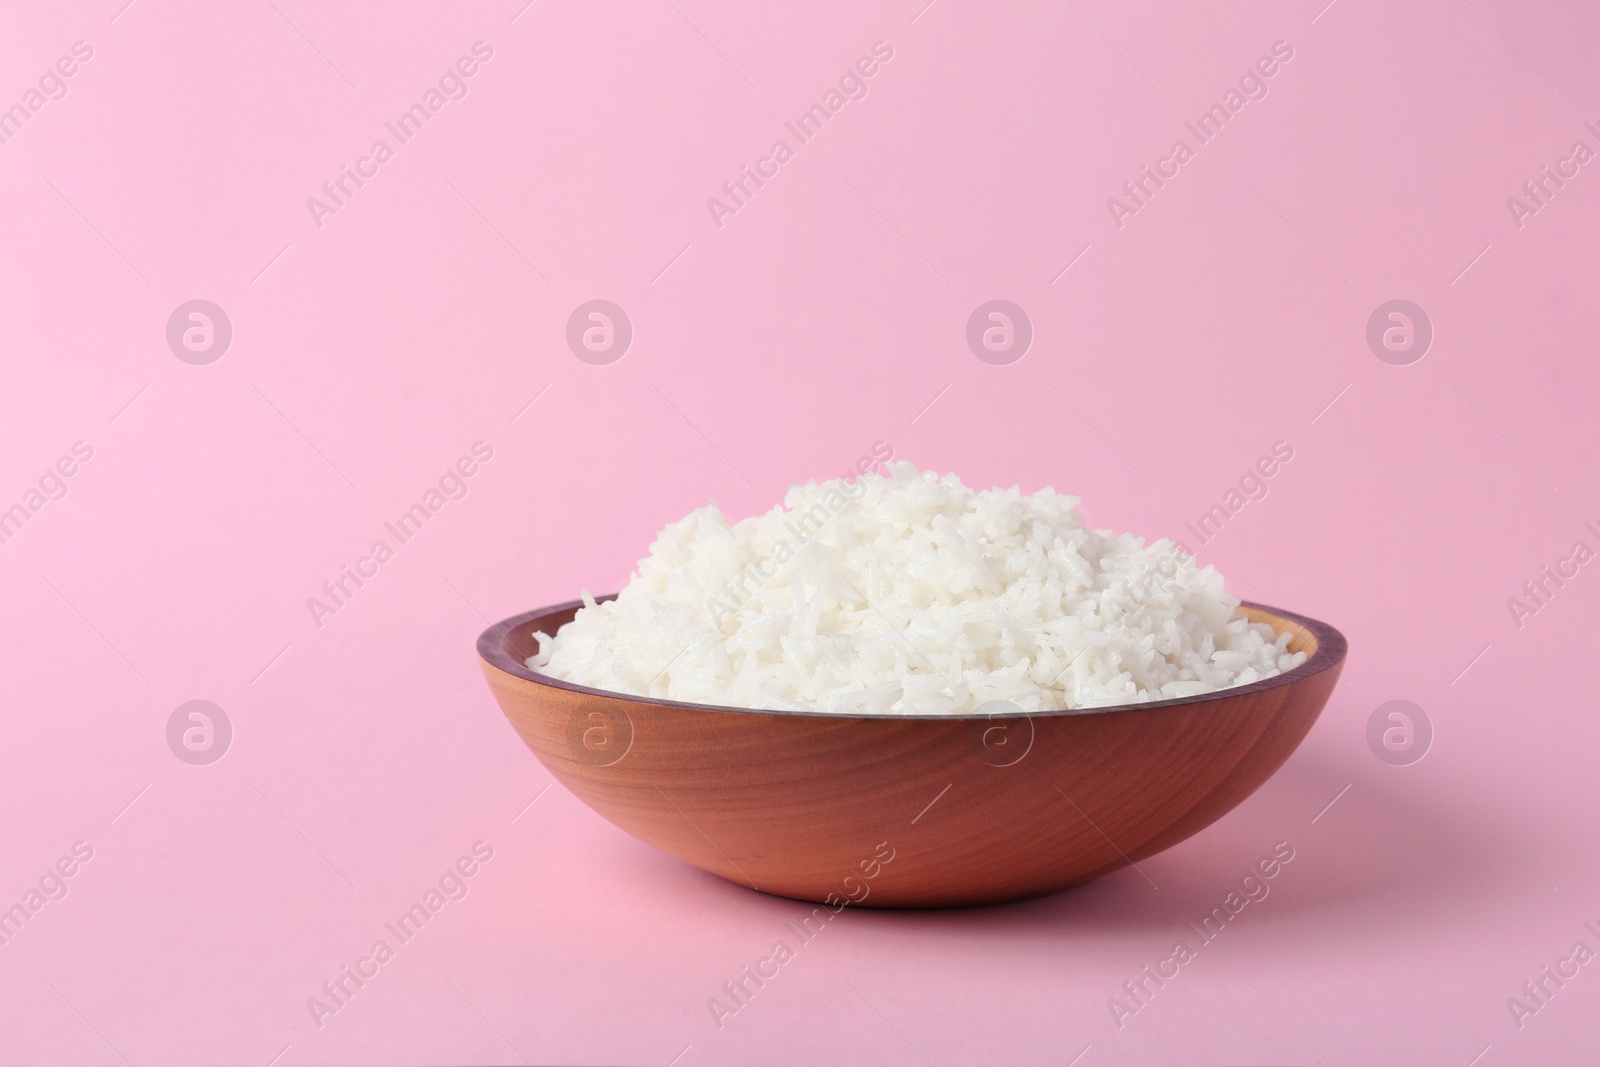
[{"x": 905, "y": 811}]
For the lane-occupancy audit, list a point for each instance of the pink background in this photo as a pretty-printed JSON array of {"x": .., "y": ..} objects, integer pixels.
[{"x": 825, "y": 315}]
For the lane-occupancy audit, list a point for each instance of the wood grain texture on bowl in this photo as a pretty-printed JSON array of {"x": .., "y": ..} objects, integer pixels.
[{"x": 970, "y": 809}]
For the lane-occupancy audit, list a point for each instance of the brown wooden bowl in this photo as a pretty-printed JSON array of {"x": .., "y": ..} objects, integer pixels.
[{"x": 903, "y": 811}]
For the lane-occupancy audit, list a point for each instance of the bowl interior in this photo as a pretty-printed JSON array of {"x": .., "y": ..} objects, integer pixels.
[
  {"x": 1301, "y": 638},
  {"x": 518, "y": 642},
  {"x": 508, "y": 645}
]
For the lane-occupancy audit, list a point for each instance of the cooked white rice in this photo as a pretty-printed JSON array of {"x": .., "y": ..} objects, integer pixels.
[{"x": 908, "y": 593}]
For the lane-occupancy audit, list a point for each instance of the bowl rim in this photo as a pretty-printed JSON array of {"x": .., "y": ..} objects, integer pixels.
[{"x": 1332, "y": 647}]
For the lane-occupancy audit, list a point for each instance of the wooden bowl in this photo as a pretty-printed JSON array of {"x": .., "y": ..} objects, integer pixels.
[{"x": 904, "y": 811}]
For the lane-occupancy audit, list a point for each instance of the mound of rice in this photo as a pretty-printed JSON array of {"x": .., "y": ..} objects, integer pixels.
[{"x": 904, "y": 592}]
